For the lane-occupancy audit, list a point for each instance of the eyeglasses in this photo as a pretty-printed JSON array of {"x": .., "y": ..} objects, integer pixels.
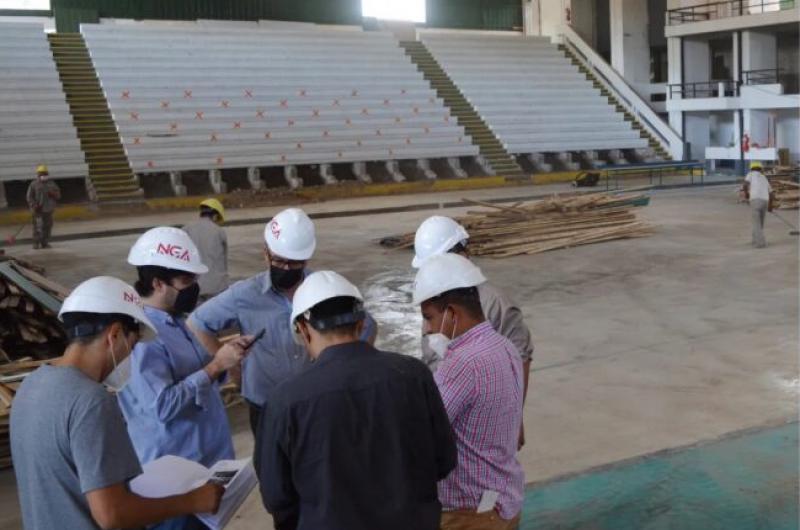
[{"x": 280, "y": 263}]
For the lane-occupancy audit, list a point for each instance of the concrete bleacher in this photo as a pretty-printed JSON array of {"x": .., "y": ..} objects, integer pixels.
[
  {"x": 217, "y": 96},
  {"x": 35, "y": 124},
  {"x": 531, "y": 96}
]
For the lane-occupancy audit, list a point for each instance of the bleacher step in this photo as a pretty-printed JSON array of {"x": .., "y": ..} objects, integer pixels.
[{"x": 109, "y": 169}]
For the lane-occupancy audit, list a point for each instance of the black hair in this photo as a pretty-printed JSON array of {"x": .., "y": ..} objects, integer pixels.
[
  {"x": 466, "y": 298},
  {"x": 148, "y": 273},
  {"x": 338, "y": 315},
  {"x": 206, "y": 211},
  {"x": 459, "y": 248},
  {"x": 84, "y": 328}
]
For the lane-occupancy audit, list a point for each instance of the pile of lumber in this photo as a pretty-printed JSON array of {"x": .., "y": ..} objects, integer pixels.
[
  {"x": 28, "y": 328},
  {"x": 784, "y": 181},
  {"x": 549, "y": 224},
  {"x": 30, "y": 334}
]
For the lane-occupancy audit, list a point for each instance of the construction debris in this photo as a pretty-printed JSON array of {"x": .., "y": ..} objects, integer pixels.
[
  {"x": 550, "y": 224},
  {"x": 30, "y": 334}
]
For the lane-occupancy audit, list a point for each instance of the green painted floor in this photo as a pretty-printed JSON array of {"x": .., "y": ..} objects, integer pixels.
[{"x": 746, "y": 481}]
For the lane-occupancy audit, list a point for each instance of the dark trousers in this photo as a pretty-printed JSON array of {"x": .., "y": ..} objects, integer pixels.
[
  {"x": 42, "y": 227},
  {"x": 255, "y": 417}
]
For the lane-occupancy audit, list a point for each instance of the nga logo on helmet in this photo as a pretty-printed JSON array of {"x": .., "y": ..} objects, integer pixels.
[
  {"x": 173, "y": 251},
  {"x": 131, "y": 297},
  {"x": 275, "y": 228}
]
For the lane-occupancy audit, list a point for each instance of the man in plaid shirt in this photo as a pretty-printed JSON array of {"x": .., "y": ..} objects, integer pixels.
[{"x": 481, "y": 382}]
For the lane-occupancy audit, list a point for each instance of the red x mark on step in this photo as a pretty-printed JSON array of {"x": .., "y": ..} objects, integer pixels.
[
  {"x": 315, "y": 113},
  {"x": 150, "y": 163},
  {"x": 336, "y": 103},
  {"x": 267, "y": 135},
  {"x": 259, "y": 114},
  {"x": 165, "y": 104},
  {"x": 187, "y": 93},
  {"x": 291, "y": 123},
  {"x": 225, "y": 103},
  {"x": 237, "y": 125},
  {"x": 137, "y": 140},
  {"x": 220, "y": 160},
  {"x": 284, "y": 103},
  {"x": 302, "y": 93},
  {"x": 173, "y": 126},
  {"x": 355, "y": 93},
  {"x": 198, "y": 115},
  {"x": 126, "y": 94},
  {"x": 213, "y": 137},
  {"x": 134, "y": 115},
  {"x": 248, "y": 93}
]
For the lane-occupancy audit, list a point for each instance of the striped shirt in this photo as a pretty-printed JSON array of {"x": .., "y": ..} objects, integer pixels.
[{"x": 481, "y": 383}]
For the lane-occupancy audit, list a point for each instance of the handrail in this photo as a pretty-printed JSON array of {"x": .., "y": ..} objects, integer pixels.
[
  {"x": 704, "y": 89},
  {"x": 628, "y": 97},
  {"x": 725, "y": 9},
  {"x": 763, "y": 76}
]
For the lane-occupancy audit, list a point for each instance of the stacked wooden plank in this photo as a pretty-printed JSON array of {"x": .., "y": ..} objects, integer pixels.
[
  {"x": 30, "y": 334},
  {"x": 784, "y": 181},
  {"x": 554, "y": 223}
]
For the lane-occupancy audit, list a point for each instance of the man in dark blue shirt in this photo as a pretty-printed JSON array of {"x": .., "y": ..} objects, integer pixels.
[{"x": 359, "y": 440}]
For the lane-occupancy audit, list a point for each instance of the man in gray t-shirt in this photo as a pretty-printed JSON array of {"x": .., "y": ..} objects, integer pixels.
[
  {"x": 78, "y": 443},
  {"x": 71, "y": 451}
]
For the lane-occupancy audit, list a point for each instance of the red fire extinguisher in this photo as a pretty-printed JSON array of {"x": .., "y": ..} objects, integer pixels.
[{"x": 746, "y": 143}]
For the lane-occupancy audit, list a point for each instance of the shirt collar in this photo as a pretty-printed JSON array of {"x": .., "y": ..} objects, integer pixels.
[
  {"x": 159, "y": 316},
  {"x": 350, "y": 349},
  {"x": 472, "y": 333}
]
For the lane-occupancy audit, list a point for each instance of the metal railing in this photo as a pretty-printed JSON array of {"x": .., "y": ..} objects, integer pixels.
[
  {"x": 764, "y": 76},
  {"x": 704, "y": 89},
  {"x": 725, "y": 9}
]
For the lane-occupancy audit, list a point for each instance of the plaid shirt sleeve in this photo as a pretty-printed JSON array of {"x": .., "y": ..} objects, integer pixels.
[{"x": 456, "y": 382}]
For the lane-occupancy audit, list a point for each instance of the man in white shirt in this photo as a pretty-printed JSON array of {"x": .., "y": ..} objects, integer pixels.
[{"x": 757, "y": 189}]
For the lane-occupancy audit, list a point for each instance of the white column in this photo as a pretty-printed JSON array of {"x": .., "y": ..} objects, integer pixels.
[
  {"x": 759, "y": 50},
  {"x": 674, "y": 77},
  {"x": 630, "y": 43}
]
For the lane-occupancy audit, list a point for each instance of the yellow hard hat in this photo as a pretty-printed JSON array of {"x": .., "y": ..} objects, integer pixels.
[
  {"x": 215, "y": 205},
  {"x": 756, "y": 165},
  {"x": 41, "y": 168}
]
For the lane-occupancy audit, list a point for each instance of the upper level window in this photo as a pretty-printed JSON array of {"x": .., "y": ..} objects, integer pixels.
[{"x": 409, "y": 10}]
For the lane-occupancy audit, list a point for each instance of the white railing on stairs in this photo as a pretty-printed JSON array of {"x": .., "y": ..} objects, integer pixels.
[{"x": 626, "y": 95}]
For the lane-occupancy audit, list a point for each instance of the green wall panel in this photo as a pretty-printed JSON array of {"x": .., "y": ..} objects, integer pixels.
[
  {"x": 475, "y": 14},
  {"x": 321, "y": 11}
]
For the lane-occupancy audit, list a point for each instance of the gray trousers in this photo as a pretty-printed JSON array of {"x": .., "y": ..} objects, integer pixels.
[
  {"x": 42, "y": 227},
  {"x": 759, "y": 209}
]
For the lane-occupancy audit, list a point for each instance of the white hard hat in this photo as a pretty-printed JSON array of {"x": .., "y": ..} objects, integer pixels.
[
  {"x": 318, "y": 287},
  {"x": 168, "y": 247},
  {"x": 290, "y": 235},
  {"x": 443, "y": 273},
  {"x": 105, "y": 295},
  {"x": 436, "y": 235}
]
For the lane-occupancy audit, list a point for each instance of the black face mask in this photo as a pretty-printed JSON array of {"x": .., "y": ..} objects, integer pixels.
[
  {"x": 285, "y": 278},
  {"x": 186, "y": 300}
]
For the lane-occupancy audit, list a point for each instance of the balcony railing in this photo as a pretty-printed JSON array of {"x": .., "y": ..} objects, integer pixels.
[
  {"x": 725, "y": 9},
  {"x": 704, "y": 89},
  {"x": 765, "y": 76}
]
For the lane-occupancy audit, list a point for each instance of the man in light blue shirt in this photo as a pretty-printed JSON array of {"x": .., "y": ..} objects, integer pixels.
[
  {"x": 172, "y": 404},
  {"x": 264, "y": 301}
]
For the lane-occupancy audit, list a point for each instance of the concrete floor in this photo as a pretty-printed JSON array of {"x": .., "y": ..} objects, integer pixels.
[{"x": 641, "y": 345}]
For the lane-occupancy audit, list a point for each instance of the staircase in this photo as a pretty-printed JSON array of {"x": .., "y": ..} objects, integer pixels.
[
  {"x": 658, "y": 148},
  {"x": 502, "y": 163},
  {"x": 110, "y": 172}
]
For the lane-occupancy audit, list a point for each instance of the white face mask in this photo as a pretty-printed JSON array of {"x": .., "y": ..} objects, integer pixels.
[
  {"x": 438, "y": 342},
  {"x": 121, "y": 373}
]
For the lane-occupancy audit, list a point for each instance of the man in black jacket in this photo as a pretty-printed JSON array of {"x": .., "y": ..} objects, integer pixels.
[{"x": 360, "y": 439}]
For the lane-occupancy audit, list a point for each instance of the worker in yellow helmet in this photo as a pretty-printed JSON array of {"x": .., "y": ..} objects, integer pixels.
[
  {"x": 757, "y": 190},
  {"x": 43, "y": 195},
  {"x": 212, "y": 243}
]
